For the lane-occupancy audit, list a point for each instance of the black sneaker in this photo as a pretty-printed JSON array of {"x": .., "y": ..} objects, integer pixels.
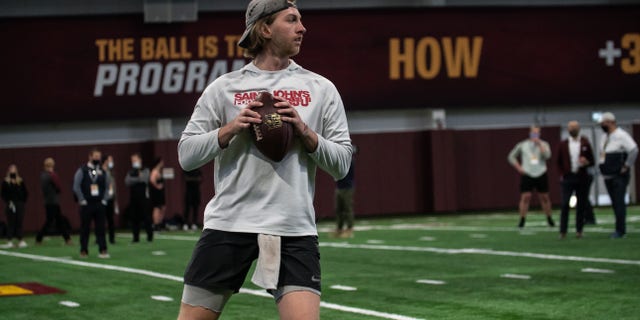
[
  {"x": 550, "y": 222},
  {"x": 616, "y": 235},
  {"x": 521, "y": 224}
]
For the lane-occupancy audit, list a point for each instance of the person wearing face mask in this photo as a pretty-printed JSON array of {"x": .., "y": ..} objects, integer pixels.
[
  {"x": 618, "y": 152},
  {"x": 529, "y": 158},
  {"x": 112, "y": 207},
  {"x": 575, "y": 156},
  {"x": 139, "y": 209},
  {"x": 90, "y": 187},
  {"x": 14, "y": 193}
]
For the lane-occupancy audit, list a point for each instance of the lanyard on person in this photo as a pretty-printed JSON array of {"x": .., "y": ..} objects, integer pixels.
[
  {"x": 94, "y": 189},
  {"x": 93, "y": 175}
]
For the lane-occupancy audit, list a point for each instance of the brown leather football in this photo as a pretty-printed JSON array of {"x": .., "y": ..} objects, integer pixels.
[{"x": 273, "y": 137}]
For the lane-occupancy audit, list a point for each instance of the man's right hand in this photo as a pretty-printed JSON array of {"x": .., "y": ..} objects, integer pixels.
[
  {"x": 245, "y": 118},
  {"x": 518, "y": 168},
  {"x": 83, "y": 202}
]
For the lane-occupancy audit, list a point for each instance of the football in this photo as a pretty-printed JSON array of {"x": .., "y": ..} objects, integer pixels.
[{"x": 273, "y": 137}]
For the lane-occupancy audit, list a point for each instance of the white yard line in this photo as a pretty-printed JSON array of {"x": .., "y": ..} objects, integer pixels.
[
  {"x": 516, "y": 276},
  {"x": 343, "y": 287},
  {"x": 540, "y": 228},
  {"x": 260, "y": 293},
  {"x": 365, "y": 312},
  {"x": 479, "y": 251},
  {"x": 592, "y": 270},
  {"x": 164, "y": 237},
  {"x": 452, "y": 251},
  {"x": 433, "y": 282},
  {"x": 532, "y": 226}
]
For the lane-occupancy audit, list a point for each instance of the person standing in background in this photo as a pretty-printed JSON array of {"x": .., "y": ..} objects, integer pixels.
[
  {"x": 139, "y": 208},
  {"x": 618, "y": 153},
  {"x": 344, "y": 202},
  {"x": 575, "y": 156},
  {"x": 51, "y": 189},
  {"x": 14, "y": 193},
  {"x": 192, "y": 181},
  {"x": 529, "y": 157},
  {"x": 90, "y": 187},
  {"x": 156, "y": 182},
  {"x": 112, "y": 205}
]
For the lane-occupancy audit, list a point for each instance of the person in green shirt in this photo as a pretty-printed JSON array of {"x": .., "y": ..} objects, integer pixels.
[{"x": 529, "y": 157}]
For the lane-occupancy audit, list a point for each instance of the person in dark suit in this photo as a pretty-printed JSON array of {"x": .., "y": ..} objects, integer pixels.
[
  {"x": 90, "y": 187},
  {"x": 575, "y": 156}
]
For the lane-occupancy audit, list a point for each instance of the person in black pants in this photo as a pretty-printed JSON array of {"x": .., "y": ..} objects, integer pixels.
[
  {"x": 51, "y": 190},
  {"x": 139, "y": 209},
  {"x": 14, "y": 194},
  {"x": 156, "y": 188},
  {"x": 618, "y": 153},
  {"x": 575, "y": 156},
  {"x": 90, "y": 187},
  {"x": 344, "y": 202},
  {"x": 589, "y": 214},
  {"x": 112, "y": 208},
  {"x": 191, "y": 198}
]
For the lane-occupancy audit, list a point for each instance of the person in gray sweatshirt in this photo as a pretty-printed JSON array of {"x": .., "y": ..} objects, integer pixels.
[
  {"x": 263, "y": 209},
  {"x": 529, "y": 157}
]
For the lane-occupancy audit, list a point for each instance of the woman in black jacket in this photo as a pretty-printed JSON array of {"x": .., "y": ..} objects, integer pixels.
[{"x": 14, "y": 194}]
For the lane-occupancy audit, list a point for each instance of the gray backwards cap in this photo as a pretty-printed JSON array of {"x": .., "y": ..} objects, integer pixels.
[{"x": 258, "y": 9}]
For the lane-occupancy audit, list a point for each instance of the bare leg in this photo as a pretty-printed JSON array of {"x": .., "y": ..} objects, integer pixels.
[
  {"x": 545, "y": 202},
  {"x": 299, "y": 305},
  {"x": 189, "y": 312},
  {"x": 525, "y": 199},
  {"x": 523, "y": 207},
  {"x": 158, "y": 215}
]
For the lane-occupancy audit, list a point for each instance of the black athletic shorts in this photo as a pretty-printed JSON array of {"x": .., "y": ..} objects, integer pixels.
[
  {"x": 221, "y": 261},
  {"x": 540, "y": 184}
]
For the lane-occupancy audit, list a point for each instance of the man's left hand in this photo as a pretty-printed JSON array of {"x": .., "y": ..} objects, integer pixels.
[{"x": 624, "y": 169}]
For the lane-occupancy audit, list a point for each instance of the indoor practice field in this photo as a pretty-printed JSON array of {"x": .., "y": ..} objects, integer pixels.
[{"x": 471, "y": 266}]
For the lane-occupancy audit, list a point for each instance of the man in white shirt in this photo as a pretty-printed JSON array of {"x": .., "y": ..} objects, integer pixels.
[
  {"x": 618, "y": 153},
  {"x": 263, "y": 209}
]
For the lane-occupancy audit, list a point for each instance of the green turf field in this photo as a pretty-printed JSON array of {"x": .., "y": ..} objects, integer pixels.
[{"x": 472, "y": 266}]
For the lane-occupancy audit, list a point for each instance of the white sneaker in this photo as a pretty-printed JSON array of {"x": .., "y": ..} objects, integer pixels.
[
  {"x": 185, "y": 227},
  {"x": 194, "y": 227},
  {"x": 22, "y": 244},
  {"x": 8, "y": 245},
  {"x": 104, "y": 255}
]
